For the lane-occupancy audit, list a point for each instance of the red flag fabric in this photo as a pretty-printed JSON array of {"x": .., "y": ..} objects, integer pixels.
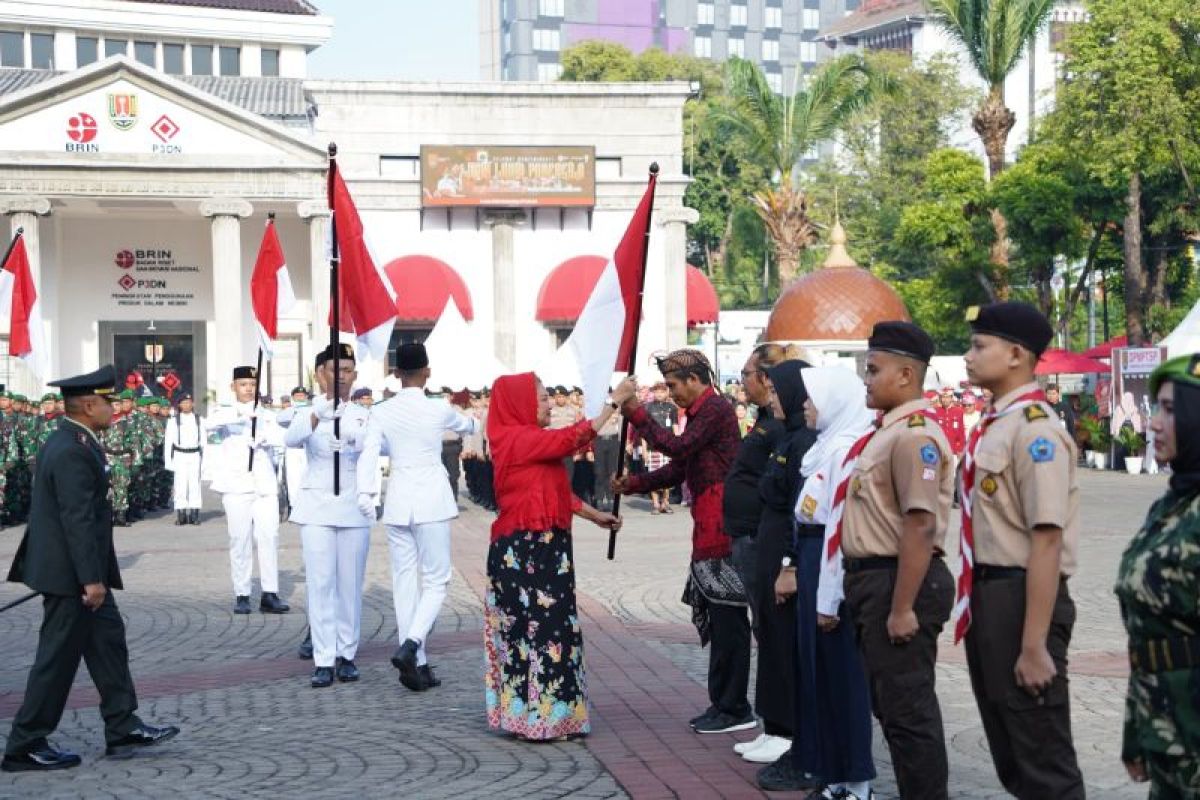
[
  {"x": 630, "y": 260},
  {"x": 270, "y": 288},
  {"x": 19, "y": 300}
]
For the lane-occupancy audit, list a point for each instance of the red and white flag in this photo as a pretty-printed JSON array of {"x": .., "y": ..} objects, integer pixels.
[
  {"x": 602, "y": 342},
  {"x": 270, "y": 289},
  {"x": 19, "y": 300},
  {"x": 367, "y": 306}
]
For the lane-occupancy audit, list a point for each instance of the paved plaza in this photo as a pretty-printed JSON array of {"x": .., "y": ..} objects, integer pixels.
[{"x": 252, "y": 727}]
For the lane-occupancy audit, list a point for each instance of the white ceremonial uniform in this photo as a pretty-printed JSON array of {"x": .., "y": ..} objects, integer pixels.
[
  {"x": 251, "y": 500},
  {"x": 334, "y": 533},
  {"x": 294, "y": 458},
  {"x": 183, "y": 453},
  {"x": 419, "y": 503}
]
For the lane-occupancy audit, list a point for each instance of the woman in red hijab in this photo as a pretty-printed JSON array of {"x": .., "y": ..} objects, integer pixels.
[{"x": 535, "y": 681}]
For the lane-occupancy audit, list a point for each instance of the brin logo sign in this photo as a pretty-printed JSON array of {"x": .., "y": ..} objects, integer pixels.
[
  {"x": 123, "y": 111},
  {"x": 81, "y": 133}
]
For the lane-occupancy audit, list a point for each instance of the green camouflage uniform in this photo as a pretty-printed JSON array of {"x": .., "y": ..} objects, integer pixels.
[
  {"x": 8, "y": 457},
  {"x": 120, "y": 461},
  {"x": 163, "y": 482},
  {"x": 21, "y": 478}
]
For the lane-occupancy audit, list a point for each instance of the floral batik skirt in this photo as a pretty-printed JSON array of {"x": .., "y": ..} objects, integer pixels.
[{"x": 534, "y": 681}]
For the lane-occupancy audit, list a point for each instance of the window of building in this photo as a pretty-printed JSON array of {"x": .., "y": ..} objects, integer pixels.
[
  {"x": 202, "y": 59},
  {"x": 146, "y": 53},
  {"x": 87, "y": 50},
  {"x": 705, "y": 14},
  {"x": 546, "y": 39},
  {"x": 270, "y": 62},
  {"x": 115, "y": 47},
  {"x": 173, "y": 59},
  {"x": 231, "y": 60},
  {"x": 808, "y": 52},
  {"x": 812, "y": 19},
  {"x": 775, "y": 81},
  {"x": 770, "y": 50},
  {"x": 737, "y": 47},
  {"x": 702, "y": 47},
  {"x": 737, "y": 15},
  {"x": 772, "y": 17},
  {"x": 550, "y": 71},
  {"x": 12, "y": 49},
  {"x": 41, "y": 50},
  {"x": 551, "y": 8}
]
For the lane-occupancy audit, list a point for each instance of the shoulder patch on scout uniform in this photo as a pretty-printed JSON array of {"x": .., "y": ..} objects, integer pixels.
[
  {"x": 989, "y": 486},
  {"x": 809, "y": 506},
  {"x": 930, "y": 455},
  {"x": 916, "y": 421},
  {"x": 1035, "y": 412},
  {"x": 1042, "y": 450}
]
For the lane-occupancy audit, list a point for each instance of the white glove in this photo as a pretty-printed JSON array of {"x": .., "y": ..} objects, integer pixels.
[
  {"x": 366, "y": 505},
  {"x": 260, "y": 435},
  {"x": 323, "y": 407},
  {"x": 336, "y": 445}
]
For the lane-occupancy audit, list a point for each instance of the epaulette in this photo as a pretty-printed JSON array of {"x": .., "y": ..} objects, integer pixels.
[
  {"x": 916, "y": 421},
  {"x": 1035, "y": 412}
]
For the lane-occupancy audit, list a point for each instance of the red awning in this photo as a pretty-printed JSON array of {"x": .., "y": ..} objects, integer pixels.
[
  {"x": 1064, "y": 362},
  {"x": 1105, "y": 349},
  {"x": 423, "y": 284},
  {"x": 567, "y": 287}
]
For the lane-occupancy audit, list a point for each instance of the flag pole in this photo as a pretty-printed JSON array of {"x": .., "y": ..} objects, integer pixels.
[
  {"x": 637, "y": 329},
  {"x": 334, "y": 315},
  {"x": 16, "y": 235},
  {"x": 257, "y": 373}
]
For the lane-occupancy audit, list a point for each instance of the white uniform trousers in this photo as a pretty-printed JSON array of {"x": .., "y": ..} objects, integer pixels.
[
  {"x": 187, "y": 480},
  {"x": 253, "y": 521},
  {"x": 420, "y": 574},
  {"x": 335, "y": 560}
]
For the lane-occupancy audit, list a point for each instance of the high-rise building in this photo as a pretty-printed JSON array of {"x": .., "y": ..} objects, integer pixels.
[{"x": 523, "y": 40}]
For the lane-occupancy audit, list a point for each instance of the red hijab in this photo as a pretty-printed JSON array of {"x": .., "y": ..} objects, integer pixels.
[{"x": 514, "y": 407}]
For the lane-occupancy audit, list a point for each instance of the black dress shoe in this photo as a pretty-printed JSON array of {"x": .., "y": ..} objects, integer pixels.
[
  {"x": 241, "y": 604},
  {"x": 405, "y": 660},
  {"x": 120, "y": 519},
  {"x": 346, "y": 671},
  {"x": 305, "y": 650},
  {"x": 39, "y": 759},
  {"x": 710, "y": 712},
  {"x": 194, "y": 516},
  {"x": 141, "y": 736},
  {"x": 322, "y": 677},
  {"x": 181, "y": 517},
  {"x": 271, "y": 604},
  {"x": 430, "y": 680}
]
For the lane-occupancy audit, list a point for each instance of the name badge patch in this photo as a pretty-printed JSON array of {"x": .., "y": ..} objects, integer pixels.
[
  {"x": 928, "y": 474},
  {"x": 1042, "y": 450}
]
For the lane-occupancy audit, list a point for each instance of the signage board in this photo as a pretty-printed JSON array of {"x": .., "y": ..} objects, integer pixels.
[{"x": 493, "y": 176}]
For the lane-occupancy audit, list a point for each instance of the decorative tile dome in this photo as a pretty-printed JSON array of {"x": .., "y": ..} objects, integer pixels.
[{"x": 839, "y": 302}]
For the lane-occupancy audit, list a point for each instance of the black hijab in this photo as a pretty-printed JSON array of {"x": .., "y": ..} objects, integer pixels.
[
  {"x": 1185, "y": 467},
  {"x": 789, "y": 388}
]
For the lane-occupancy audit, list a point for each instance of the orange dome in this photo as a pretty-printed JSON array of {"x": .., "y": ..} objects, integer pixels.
[{"x": 839, "y": 302}]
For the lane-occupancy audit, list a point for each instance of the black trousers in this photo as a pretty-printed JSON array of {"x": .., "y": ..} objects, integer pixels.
[
  {"x": 607, "y": 449},
  {"x": 71, "y": 632},
  {"x": 451, "y": 458},
  {"x": 1030, "y": 737},
  {"x": 729, "y": 659},
  {"x": 901, "y": 676}
]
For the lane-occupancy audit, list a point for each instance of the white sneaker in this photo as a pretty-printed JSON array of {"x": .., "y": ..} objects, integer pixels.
[
  {"x": 745, "y": 747},
  {"x": 769, "y": 751}
]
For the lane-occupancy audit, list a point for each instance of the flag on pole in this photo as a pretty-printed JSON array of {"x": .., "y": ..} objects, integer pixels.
[
  {"x": 270, "y": 289},
  {"x": 603, "y": 340},
  {"x": 367, "y": 301},
  {"x": 19, "y": 299}
]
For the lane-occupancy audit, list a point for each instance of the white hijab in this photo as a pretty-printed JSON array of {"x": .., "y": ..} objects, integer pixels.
[{"x": 842, "y": 415}]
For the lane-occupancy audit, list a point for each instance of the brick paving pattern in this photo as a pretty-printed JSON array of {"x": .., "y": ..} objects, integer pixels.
[{"x": 253, "y": 728}]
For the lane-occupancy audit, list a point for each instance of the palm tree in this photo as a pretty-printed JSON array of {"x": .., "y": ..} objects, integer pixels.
[
  {"x": 994, "y": 34},
  {"x": 779, "y": 131}
]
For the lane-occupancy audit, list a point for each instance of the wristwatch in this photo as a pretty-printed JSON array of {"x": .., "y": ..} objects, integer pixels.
[
  {"x": 614, "y": 405},
  {"x": 786, "y": 562}
]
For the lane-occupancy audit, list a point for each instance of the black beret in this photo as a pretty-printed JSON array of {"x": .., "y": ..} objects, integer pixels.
[
  {"x": 241, "y": 373},
  {"x": 411, "y": 357},
  {"x": 344, "y": 353},
  {"x": 1016, "y": 322},
  {"x": 179, "y": 398},
  {"x": 903, "y": 339},
  {"x": 300, "y": 390},
  {"x": 102, "y": 382}
]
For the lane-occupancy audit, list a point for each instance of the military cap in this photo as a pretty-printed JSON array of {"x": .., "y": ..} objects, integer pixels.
[
  {"x": 20, "y": 398},
  {"x": 1017, "y": 322},
  {"x": 300, "y": 390},
  {"x": 126, "y": 394},
  {"x": 359, "y": 394},
  {"x": 102, "y": 382},
  {"x": 49, "y": 397},
  {"x": 903, "y": 339},
  {"x": 411, "y": 357},
  {"x": 142, "y": 402},
  {"x": 179, "y": 398},
  {"x": 560, "y": 390},
  {"x": 1181, "y": 369},
  {"x": 245, "y": 373},
  {"x": 344, "y": 353}
]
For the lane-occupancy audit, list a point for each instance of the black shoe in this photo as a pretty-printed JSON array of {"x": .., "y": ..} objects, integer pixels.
[
  {"x": 194, "y": 516},
  {"x": 429, "y": 680},
  {"x": 40, "y": 759},
  {"x": 271, "y": 604},
  {"x": 241, "y": 604},
  {"x": 783, "y": 776},
  {"x": 120, "y": 519},
  {"x": 305, "y": 650},
  {"x": 346, "y": 671},
  {"x": 710, "y": 712},
  {"x": 141, "y": 736},
  {"x": 181, "y": 517},
  {"x": 405, "y": 660},
  {"x": 322, "y": 677},
  {"x": 726, "y": 723}
]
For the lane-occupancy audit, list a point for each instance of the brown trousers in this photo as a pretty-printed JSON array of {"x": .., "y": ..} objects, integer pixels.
[
  {"x": 1030, "y": 737},
  {"x": 902, "y": 676}
]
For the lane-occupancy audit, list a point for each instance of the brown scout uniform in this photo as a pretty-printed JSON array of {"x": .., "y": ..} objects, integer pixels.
[
  {"x": 1025, "y": 476},
  {"x": 907, "y": 466}
]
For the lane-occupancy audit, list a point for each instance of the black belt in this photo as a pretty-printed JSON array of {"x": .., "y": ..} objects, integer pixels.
[
  {"x": 987, "y": 572},
  {"x": 119, "y": 452},
  {"x": 879, "y": 562},
  {"x": 175, "y": 449},
  {"x": 1162, "y": 655}
]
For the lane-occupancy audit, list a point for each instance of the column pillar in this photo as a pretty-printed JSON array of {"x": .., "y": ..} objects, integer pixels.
[
  {"x": 316, "y": 213},
  {"x": 226, "y": 345},
  {"x": 674, "y": 222},
  {"x": 24, "y": 212},
  {"x": 504, "y": 283}
]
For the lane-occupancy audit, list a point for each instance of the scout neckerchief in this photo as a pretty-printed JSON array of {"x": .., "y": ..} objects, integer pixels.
[
  {"x": 962, "y": 604},
  {"x": 843, "y": 488}
]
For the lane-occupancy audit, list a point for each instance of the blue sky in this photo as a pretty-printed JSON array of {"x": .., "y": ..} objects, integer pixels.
[{"x": 403, "y": 39}]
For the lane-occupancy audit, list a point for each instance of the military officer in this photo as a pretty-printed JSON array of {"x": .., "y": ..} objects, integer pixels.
[
  {"x": 1021, "y": 533},
  {"x": 183, "y": 454},
  {"x": 335, "y": 534},
  {"x": 67, "y": 554},
  {"x": 898, "y": 588},
  {"x": 249, "y": 494}
]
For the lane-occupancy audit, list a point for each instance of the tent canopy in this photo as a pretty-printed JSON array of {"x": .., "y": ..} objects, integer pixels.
[{"x": 1185, "y": 339}]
